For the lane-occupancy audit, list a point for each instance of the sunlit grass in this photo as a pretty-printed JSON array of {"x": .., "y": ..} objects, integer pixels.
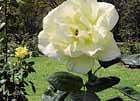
[{"x": 45, "y": 66}]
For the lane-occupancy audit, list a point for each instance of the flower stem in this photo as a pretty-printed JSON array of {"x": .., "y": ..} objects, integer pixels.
[
  {"x": 5, "y": 36},
  {"x": 97, "y": 69}
]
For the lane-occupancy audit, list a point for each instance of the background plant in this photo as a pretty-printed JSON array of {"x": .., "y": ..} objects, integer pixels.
[
  {"x": 13, "y": 80},
  {"x": 13, "y": 74}
]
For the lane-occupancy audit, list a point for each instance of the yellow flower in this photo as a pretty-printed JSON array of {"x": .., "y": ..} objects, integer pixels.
[
  {"x": 81, "y": 31},
  {"x": 21, "y": 52}
]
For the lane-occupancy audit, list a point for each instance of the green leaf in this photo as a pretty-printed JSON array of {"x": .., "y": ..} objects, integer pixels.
[
  {"x": 82, "y": 96},
  {"x": 50, "y": 95},
  {"x": 65, "y": 81},
  {"x": 31, "y": 69},
  {"x": 2, "y": 25},
  {"x": 25, "y": 74},
  {"x": 115, "y": 99},
  {"x": 47, "y": 98},
  {"x": 25, "y": 93},
  {"x": 102, "y": 83},
  {"x": 31, "y": 63},
  {"x": 21, "y": 84},
  {"x": 132, "y": 60},
  {"x": 1, "y": 59},
  {"x": 24, "y": 62},
  {"x": 1, "y": 39},
  {"x": 14, "y": 3},
  {"x": 2, "y": 81},
  {"x": 26, "y": 83},
  {"x": 130, "y": 92},
  {"x": 33, "y": 86},
  {"x": 106, "y": 64}
]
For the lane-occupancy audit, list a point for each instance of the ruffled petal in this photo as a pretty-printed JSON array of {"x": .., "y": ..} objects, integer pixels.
[
  {"x": 82, "y": 64},
  {"x": 71, "y": 51},
  {"x": 108, "y": 16},
  {"x": 49, "y": 50},
  {"x": 111, "y": 50}
]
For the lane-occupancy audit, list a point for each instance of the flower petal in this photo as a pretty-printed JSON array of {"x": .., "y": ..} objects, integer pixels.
[
  {"x": 108, "y": 16},
  {"x": 111, "y": 50},
  {"x": 71, "y": 51},
  {"x": 82, "y": 64},
  {"x": 48, "y": 50}
]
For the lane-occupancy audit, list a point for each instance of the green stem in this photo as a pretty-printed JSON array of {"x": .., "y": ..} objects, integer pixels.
[
  {"x": 13, "y": 76},
  {"x": 5, "y": 37},
  {"x": 97, "y": 69}
]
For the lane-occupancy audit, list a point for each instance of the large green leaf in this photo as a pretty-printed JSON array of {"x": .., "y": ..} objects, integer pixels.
[
  {"x": 106, "y": 64},
  {"x": 115, "y": 99},
  {"x": 33, "y": 86},
  {"x": 54, "y": 96},
  {"x": 65, "y": 81},
  {"x": 82, "y": 96},
  {"x": 130, "y": 92},
  {"x": 132, "y": 60},
  {"x": 102, "y": 83}
]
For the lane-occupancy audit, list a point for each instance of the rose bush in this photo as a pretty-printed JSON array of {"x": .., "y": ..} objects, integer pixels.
[
  {"x": 80, "y": 30},
  {"x": 13, "y": 75}
]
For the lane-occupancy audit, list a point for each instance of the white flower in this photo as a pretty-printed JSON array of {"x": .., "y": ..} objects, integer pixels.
[{"x": 81, "y": 31}]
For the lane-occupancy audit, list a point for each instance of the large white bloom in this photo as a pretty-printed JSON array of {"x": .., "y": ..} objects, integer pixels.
[{"x": 81, "y": 31}]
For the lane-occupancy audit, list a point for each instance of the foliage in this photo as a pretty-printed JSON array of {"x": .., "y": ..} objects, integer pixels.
[
  {"x": 45, "y": 66},
  {"x": 62, "y": 81},
  {"x": 129, "y": 48},
  {"x": 129, "y": 25},
  {"x": 102, "y": 83},
  {"x": 93, "y": 85},
  {"x": 130, "y": 92},
  {"x": 21, "y": 25},
  {"x": 13, "y": 78},
  {"x": 13, "y": 74},
  {"x": 2, "y": 18},
  {"x": 133, "y": 61}
]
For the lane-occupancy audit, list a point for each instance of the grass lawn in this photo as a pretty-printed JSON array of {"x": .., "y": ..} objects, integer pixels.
[{"x": 45, "y": 66}]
